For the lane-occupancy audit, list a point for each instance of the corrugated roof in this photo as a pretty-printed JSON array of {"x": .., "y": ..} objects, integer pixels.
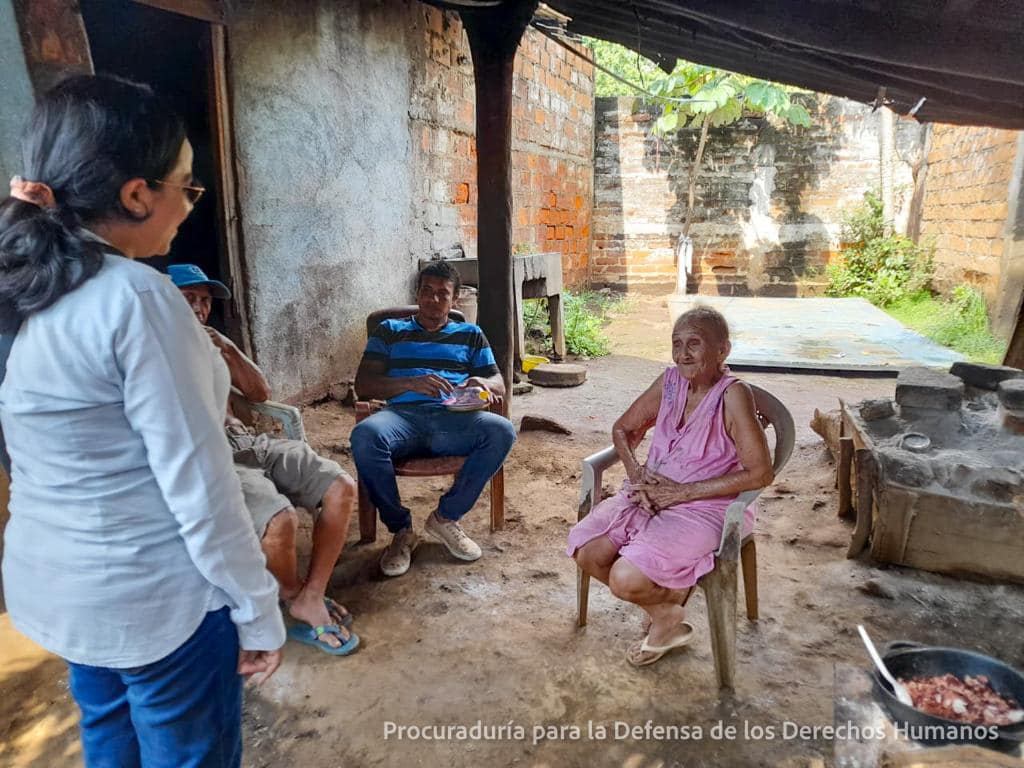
[{"x": 965, "y": 58}]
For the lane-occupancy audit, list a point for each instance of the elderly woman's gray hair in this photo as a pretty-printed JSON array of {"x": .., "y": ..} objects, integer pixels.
[{"x": 710, "y": 321}]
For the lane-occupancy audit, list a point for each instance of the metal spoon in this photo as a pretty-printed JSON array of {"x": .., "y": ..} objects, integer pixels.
[{"x": 897, "y": 687}]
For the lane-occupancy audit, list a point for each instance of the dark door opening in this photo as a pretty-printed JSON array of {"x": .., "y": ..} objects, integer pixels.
[{"x": 173, "y": 54}]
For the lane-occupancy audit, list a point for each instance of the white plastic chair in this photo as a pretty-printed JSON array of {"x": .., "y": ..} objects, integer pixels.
[{"x": 720, "y": 584}]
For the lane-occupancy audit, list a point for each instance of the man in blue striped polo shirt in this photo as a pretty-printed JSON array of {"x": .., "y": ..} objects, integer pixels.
[{"x": 415, "y": 363}]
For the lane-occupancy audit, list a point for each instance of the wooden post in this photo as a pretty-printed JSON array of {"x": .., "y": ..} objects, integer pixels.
[
  {"x": 867, "y": 477},
  {"x": 494, "y": 34},
  {"x": 843, "y": 475},
  {"x": 53, "y": 37},
  {"x": 1015, "y": 352}
]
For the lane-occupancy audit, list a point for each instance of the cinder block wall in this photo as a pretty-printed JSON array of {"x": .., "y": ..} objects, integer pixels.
[{"x": 769, "y": 199}]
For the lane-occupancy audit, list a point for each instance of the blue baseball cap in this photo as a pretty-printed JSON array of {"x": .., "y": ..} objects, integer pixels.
[{"x": 184, "y": 275}]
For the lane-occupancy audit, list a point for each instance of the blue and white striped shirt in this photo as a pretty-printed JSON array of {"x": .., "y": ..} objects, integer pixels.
[{"x": 455, "y": 352}]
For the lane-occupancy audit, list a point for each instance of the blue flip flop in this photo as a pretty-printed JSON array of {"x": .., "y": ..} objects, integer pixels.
[
  {"x": 332, "y": 606},
  {"x": 311, "y": 636}
]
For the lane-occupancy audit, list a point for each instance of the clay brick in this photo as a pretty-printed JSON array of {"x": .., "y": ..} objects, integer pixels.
[
  {"x": 435, "y": 20},
  {"x": 461, "y": 195}
]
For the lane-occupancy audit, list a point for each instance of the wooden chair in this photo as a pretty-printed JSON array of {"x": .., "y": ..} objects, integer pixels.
[
  {"x": 720, "y": 584},
  {"x": 425, "y": 466}
]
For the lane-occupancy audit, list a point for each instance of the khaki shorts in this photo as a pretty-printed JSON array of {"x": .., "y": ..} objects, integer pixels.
[{"x": 277, "y": 474}]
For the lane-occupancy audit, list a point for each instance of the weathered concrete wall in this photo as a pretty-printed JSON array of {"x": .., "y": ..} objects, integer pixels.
[
  {"x": 15, "y": 93},
  {"x": 355, "y": 135},
  {"x": 769, "y": 197},
  {"x": 552, "y": 146},
  {"x": 966, "y": 206},
  {"x": 321, "y": 102}
]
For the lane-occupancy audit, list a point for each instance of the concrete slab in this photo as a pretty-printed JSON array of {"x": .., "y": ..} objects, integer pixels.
[{"x": 819, "y": 334}]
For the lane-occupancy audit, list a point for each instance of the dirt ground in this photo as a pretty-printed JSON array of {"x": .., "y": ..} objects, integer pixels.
[{"x": 495, "y": 642}]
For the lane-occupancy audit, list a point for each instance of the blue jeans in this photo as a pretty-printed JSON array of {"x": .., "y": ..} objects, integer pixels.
[
  {"x": 429, "y": 430},
  {"x": 184, "y": 711}
]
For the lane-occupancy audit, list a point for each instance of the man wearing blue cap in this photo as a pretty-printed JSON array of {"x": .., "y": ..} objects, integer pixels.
[{"x": 277, "y": 476}]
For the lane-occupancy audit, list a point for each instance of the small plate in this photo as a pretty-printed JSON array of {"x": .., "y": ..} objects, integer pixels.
[{"x": 466, "y": 408}]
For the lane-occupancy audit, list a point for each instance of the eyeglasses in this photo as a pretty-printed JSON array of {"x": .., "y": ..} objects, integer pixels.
[{"x": 192, "y": 192}]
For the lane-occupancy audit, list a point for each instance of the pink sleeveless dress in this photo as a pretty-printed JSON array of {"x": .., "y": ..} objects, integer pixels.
[{"x": 675, "y": 547}]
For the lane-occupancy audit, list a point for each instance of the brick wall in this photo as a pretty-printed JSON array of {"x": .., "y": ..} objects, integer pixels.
[
  {"x": 768, "y": 204},
  {"x": 552, "y": 145},
  {"x": 965, "y": 205}
]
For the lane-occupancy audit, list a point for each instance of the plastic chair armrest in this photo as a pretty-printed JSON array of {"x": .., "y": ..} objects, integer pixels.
[{"x": 590, "y": 483}]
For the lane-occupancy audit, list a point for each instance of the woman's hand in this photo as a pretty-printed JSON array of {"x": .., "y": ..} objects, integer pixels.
[
  {"x": 659, "y": 492},
  {"x": 260, "y": 664}
]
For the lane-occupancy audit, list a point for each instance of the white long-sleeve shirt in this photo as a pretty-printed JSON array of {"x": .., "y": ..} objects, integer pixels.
[{"x": 127, "y": 523}]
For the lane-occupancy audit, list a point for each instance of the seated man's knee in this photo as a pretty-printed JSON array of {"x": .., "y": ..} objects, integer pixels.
[
  {"x": 342, "y": 490},
  {"x": 283, "y": 525},
  {"x": 362, "y": 437},
  {"x": 501, "y": 432}
]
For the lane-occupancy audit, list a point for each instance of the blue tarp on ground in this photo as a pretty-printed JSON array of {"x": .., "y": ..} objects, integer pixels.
[{"x": 819, "y": 334}]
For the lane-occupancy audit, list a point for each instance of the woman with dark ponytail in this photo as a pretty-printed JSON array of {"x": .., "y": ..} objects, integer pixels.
[{"x": 128, "y": 551}]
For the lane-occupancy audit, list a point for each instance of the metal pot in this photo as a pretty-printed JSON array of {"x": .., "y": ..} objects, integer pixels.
[{"x": 906, "y": 660}]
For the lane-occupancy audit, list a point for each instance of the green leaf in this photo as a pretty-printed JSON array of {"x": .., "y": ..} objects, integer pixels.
[
  {"x": 797, "y": 114},
  {"x": 730, "y": 112},
  {"x": 755, "y": 93},
  {"x": 668, "y": 122}
]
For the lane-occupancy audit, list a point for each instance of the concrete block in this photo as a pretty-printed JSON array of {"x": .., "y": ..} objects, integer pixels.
[
  {"x": 873, "y": 410},
  {"x": 905, "y": 468},
  {"x": 1011, "y": 394},
  {"x": 927, "y": 388},
  {"x": 984, "y": 376}
]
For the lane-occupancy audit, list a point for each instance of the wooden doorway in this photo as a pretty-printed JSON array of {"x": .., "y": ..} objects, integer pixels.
[{"x": 178, "y": 47}]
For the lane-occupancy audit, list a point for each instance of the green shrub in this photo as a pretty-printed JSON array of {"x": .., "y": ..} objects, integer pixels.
[
  {"x": 585, "y": 317},
  {"x": 882, "y": 268},
  {"x": 960, "y": 322}
]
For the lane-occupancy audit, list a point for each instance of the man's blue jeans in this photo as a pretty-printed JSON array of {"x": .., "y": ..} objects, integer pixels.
[
  {"x": 429, "y": 430},
  {"x": 184, "y": 711}
]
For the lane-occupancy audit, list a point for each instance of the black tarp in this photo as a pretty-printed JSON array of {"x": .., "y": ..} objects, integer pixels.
[{"x": 965, "y": 58}]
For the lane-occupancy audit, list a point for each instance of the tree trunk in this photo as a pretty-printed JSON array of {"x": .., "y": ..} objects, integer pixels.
[
  {"x": 887, "y": 142},
  {"x": 691, "y": 194}
]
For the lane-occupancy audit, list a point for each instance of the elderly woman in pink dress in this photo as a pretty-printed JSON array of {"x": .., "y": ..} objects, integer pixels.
[{"x": 653, "y": 540}]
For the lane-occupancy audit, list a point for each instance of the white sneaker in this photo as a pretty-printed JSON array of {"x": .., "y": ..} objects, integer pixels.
[
  {"x": 398, "y": 554},
  {"x": 450, "y": 533}
]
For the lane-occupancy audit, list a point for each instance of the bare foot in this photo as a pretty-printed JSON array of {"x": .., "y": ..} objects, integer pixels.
[
  {"x": 310, "y": 609},
  {"x": 338, "y": 612}
]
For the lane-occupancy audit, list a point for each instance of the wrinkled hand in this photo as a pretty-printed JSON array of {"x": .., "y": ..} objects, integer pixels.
[
  {"x": 258, "y": 664},
  {"x": 643, "y": 477},
  {"x": 660, "y": 492},
  {"x": 431, "y": 385}
]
